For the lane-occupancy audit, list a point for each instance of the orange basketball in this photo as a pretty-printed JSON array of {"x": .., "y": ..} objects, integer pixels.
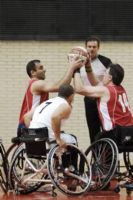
[
  {"x": 79, "y": 50},
  {"x": 77, "y": 53}
]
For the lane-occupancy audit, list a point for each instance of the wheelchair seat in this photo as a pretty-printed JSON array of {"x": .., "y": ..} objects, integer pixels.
[
  {"x": 35, "y": 141},
  {"x": 122, "y": 136}
]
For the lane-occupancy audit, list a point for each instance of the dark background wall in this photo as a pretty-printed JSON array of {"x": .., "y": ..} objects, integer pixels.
[{"x": 66, "y": 19}]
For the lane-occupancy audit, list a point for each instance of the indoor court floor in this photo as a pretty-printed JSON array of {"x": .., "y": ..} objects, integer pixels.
[
  {"x": 99, "y": 195},
  {"x": 104, "y": 195}
]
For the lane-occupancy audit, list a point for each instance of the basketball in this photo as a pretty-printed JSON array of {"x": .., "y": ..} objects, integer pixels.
[{"x": 77, "y": 53}]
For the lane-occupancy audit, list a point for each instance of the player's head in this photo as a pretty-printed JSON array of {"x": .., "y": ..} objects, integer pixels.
[
  {"x": 66, "y": 91},
  {"x": 114, "y": 74},
  {"x": 92, "y": 45},
  {"x": 35, "y": 69},
  {"x": 117, "y": 73}
]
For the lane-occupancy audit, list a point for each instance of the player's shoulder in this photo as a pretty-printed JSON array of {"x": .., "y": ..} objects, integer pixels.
[
  {"x": 103, "y": 57},
  {"x": 105, "y": 60}
]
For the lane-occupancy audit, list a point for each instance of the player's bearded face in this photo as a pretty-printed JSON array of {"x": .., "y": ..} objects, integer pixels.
[{"x": 40, "y": 72}]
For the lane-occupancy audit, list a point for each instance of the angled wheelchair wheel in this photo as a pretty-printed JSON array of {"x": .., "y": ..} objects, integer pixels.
[
  {"x": 128, "y": 160},
  {"x": 103, "y": 158},
  {"x": 116, "y": 155},
  {"x": 69, "y": 170},
  {"x": 24, "y": 175},
  {"x": 12, "y": 149},
  {"x": 10, "y": 152},
  {"x": 4, "y": 167}
]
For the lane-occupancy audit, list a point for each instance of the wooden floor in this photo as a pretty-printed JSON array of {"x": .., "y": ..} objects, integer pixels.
[
  {"x": 101, "y": 195},
  {"x": 90, "y": 196}
]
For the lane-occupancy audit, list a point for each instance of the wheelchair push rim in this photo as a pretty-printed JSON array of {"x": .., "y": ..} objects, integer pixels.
[{"x": 68, "y": 178}]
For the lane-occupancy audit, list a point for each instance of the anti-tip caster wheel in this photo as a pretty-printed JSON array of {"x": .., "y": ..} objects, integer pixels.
[
  {"x": 128, "y": 191},
  {"x": 117, "y": 189}
]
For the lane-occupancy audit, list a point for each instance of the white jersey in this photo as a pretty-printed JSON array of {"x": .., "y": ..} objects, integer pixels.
[
  {"x": 43, "y": 113},
  {"x": 98, "y": 69}
]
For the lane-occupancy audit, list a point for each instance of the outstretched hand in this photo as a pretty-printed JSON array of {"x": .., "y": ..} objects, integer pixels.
[{"x": 76, "y": 64}]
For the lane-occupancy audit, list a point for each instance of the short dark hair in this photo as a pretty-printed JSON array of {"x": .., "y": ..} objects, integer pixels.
[
  {"x": 93, "y": 38},
  {"x": 65, "y": 91},
  {"x": 117, "y": 73},
  {"x": 31, "y": 65}
]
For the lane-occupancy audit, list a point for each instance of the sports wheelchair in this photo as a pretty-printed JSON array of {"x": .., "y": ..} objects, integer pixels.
[
  {"x": 38, "y": 161},
  {"x": 34, "y": 164},
  {"x": 104, "y": 158},
  {"x": 33, "y": 167}
]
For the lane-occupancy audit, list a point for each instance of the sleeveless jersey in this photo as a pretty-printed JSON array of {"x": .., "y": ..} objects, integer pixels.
[
  {"x": 43, "y": 114},
  {"x": 31, "y": 101},
  {"x": 117, "y": 110}
]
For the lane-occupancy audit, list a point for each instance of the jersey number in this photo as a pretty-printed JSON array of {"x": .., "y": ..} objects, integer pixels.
[
  {"x": 124, "y": 102},
  {"x": 47, "y": 103}
]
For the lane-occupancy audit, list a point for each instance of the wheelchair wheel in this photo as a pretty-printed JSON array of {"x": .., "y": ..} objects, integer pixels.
[
  {"x": 69, "y": 170},
  {"x": 4, "y": 167},
  {"x": 23, "y": 174},
  {"x": 116, "y": 159},
  {"x": 11, "y": 151},
  {"x": 116, "y": 155},
  {"x": 103, "y": 158},
  {"x": 128, "y": 160}
]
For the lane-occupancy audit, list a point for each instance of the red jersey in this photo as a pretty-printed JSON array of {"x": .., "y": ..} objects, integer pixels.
[
  {"x": 31, "y": 101},
  {"x": 117, "y": 110}
]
